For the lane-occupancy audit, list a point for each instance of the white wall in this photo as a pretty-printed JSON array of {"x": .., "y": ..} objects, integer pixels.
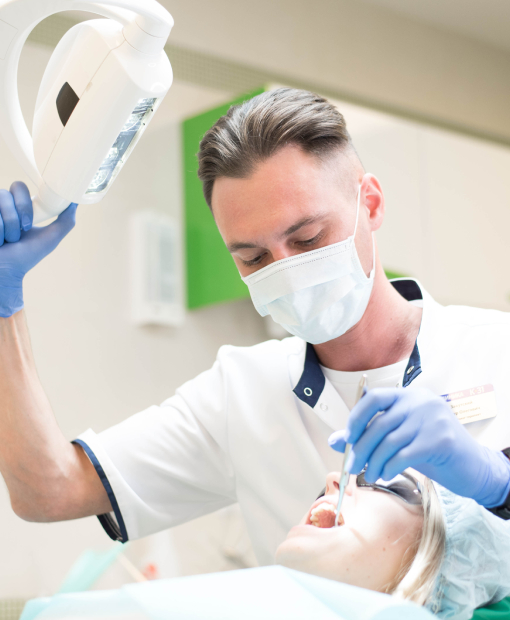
[{"x": 365, "y": 51}]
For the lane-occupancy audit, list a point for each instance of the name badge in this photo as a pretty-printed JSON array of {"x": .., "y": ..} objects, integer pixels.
[{"x": 473, "y": 404}]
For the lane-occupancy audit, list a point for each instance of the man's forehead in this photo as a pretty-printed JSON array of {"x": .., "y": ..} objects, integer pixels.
[
  {"x": 290, "y": 170},
  {"x": 284, "y": 193}
]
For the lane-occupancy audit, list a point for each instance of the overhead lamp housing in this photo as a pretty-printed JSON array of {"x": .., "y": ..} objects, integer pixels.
[{"x": 101, "y": 87}]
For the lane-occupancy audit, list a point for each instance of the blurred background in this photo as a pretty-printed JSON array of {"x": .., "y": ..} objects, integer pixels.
[{"x": 425, "y": 90}]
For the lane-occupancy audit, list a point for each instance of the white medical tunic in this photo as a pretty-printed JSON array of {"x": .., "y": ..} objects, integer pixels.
[{"x": 253, "y": 429}]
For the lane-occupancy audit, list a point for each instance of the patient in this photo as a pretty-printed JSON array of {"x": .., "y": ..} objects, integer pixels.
[{"x": 408, "y": 537}]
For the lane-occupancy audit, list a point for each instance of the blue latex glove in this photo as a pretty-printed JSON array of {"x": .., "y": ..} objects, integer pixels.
[
  {"x": 418, "y": 429},
  {"x": 21, "y": 245}
]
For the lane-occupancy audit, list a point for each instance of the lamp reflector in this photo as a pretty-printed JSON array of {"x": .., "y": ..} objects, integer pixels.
[{"x": 126, "y": 140}]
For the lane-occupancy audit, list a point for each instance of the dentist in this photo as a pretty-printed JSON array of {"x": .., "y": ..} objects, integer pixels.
[{"x": 298, "y": 213}]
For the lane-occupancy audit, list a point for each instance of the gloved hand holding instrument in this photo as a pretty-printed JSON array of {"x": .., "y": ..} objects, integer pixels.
[{"x": 415, "y": 428}]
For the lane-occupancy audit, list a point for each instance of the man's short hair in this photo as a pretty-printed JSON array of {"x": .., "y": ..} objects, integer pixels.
[{"x": 254, "y": 130}]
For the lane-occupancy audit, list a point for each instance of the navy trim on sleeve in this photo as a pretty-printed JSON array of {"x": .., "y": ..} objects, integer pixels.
[
  {"x": 312, "y": 382},
  {"x": 114, "y": 532}
]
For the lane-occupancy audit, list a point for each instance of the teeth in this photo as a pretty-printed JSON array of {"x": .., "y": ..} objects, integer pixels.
[
  {"x": 323, "y": 506},
  {"x": 323, "y": 515}
]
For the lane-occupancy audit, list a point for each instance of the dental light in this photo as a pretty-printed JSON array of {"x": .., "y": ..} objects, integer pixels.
[{"x": 100, "y": 89}]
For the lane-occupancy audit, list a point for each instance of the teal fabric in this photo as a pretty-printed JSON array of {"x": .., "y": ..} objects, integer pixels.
[
  {"x": 89, "y": 567},
  {"x": 498, "y": 611}
]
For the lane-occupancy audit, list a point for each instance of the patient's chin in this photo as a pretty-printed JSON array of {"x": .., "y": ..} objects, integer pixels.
[
  {"x": 287, "y": 555},
  {"x": 298, "y": 548}
]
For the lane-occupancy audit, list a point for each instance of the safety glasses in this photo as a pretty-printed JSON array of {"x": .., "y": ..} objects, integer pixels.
[{"x": 404, "y": 486}]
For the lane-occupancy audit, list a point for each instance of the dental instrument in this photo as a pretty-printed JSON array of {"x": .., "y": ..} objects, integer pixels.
[
  {"x": 101, "y": 87},
  {"x": 344, "y": 475}
]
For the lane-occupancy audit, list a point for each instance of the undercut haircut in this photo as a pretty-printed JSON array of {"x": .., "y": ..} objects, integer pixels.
[{"x": 253, "y": 131}]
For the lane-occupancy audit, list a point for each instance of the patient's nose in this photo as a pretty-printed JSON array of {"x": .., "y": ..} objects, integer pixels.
[{"x": 333, "y": 484}]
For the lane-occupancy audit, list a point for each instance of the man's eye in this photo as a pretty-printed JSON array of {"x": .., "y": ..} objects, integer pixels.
[
  {"x": 253, "y": 261},
  {"x": 311, "y": 241}
]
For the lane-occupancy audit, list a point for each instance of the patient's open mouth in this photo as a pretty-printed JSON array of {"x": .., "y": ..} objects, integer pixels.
[{"x": 323, "y": 515}]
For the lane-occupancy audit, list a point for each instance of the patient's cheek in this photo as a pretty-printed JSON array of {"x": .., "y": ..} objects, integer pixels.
[
  {"x": 394, "y": 539},
  {"x": 385, "y": 522}
]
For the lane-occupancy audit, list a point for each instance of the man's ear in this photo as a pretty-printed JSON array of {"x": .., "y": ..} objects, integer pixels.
[{"x": 372, "y": 198}]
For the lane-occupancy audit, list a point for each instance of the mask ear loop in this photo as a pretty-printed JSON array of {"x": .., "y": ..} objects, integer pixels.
[
  {"x": 357, "y": 213},
  {"x": 372, "y": 273}
]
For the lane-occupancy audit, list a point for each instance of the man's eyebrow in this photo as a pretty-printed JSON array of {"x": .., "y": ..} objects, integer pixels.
[
  {"x": 241, "y": 245},
  {"x": 233, "y": 247},
  {"x": 303, "y": 222}
]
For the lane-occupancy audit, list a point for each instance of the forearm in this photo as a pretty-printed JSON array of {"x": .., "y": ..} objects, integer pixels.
[{"x": 47, "y": 477}]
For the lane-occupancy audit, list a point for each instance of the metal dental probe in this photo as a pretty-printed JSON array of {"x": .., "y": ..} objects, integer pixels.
[{"x": 344, "y": 475}]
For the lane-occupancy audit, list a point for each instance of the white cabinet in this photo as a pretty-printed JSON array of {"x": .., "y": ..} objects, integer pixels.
[{"x": 469, "y": 220}]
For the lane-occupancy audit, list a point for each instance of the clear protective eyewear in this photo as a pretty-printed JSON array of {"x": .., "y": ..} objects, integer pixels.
[{"x": 403, "y": 485}]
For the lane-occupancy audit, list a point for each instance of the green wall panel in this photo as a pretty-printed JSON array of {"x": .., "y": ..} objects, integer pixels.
[
  {"x": 391, "y": 275},
  {"x": 212, "y": 276}
]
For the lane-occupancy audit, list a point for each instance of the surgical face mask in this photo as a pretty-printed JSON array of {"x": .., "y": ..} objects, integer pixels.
[{"x": 317, "y": 295}]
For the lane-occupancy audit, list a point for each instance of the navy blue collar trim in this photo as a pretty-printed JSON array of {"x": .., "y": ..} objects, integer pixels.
[
  {"x": 413, "y": 367},
  {"x": 409, "y": 289},
  {"x": 312, "y": 381}
]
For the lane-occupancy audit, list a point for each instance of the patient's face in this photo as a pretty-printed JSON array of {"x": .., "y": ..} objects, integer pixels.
[{"x": 367, "y": 550}]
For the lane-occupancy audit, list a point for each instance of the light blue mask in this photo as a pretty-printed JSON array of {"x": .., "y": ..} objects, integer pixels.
[{"x": 317, "y": 295}]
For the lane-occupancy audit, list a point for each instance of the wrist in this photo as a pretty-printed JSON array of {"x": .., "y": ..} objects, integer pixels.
[
  {"x": 497, "y": 486},
  {"x": 11, "y": 301},
  {"x": 11, "y": 291}
]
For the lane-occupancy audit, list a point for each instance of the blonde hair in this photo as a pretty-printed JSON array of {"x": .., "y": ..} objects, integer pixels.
[{"x": 416, "y": 580}]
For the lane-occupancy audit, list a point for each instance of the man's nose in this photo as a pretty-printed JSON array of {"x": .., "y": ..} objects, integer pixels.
[{"x": 280, "y": 252}]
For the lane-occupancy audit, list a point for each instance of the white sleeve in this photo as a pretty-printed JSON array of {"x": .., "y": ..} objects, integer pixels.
[{"x": 167, "y": 464}]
